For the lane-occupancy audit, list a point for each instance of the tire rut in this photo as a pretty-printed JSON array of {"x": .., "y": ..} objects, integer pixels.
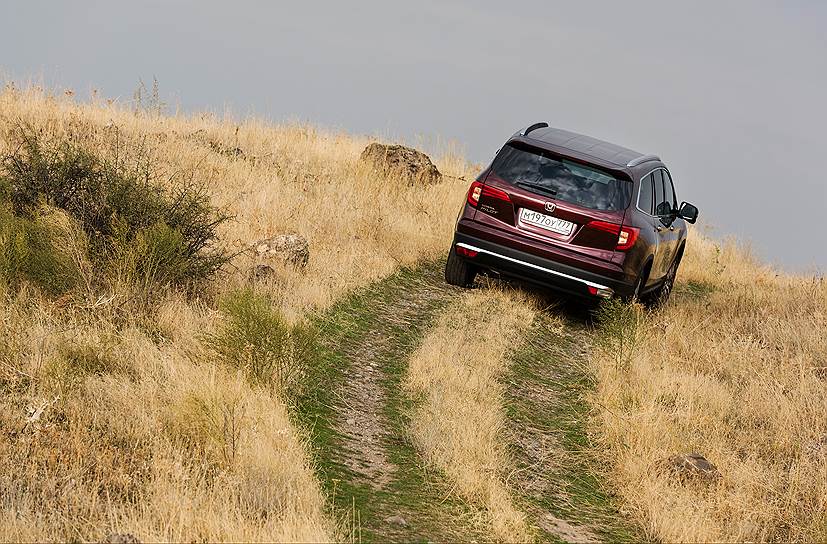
[
  {"x": 358, "y": 415},
  {"x": 358, "y": 419},
  {"x": 558, "y": 478}
]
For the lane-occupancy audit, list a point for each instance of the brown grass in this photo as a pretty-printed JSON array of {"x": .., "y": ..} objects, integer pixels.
[
  {"x": 114, "y": 418},
  {"x": 734, "y": 368},
  {"x": 137, "y": 430},
  {"x": 459, "y": 421}
]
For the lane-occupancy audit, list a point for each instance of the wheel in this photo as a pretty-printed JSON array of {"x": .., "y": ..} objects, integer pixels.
[
  {"x": 661, "y": 295},
  {"x": 635, "y": 296},
  {"x": 459, "y": 271}
]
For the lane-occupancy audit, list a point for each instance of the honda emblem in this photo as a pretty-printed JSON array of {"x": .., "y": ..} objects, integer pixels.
[{"x": 550, "y": 206}]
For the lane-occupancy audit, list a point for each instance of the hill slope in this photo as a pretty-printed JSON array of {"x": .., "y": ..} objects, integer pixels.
[{"x": 144, "y": 392}]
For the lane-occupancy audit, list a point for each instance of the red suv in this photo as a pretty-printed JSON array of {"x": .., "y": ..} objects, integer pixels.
[{"x": 577, "y": 214}]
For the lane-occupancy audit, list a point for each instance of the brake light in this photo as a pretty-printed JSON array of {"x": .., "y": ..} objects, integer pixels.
[
  {"x": 478, "y": 190},
  {"x": 626, "y": 236},
  {"x": 474, "y": 193}
]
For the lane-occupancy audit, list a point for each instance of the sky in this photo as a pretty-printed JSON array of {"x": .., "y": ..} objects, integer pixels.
[{"x": 731, "y": 95}]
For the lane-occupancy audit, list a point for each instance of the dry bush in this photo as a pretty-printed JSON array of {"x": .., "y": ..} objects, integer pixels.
[
  {"x": 733, "y": 368},
  {"x": 459, "y": 419},
  {"x": 145, "y": 232}
]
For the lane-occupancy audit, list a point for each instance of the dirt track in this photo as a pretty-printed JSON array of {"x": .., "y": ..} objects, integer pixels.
[{"x": 358, "y": 419}]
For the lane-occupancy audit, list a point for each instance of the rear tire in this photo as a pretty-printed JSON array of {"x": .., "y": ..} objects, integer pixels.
[
  {"x": 642, "y": 278},
  {"x": 458, "y": 271},
  {"x": 660, "y": 296}
]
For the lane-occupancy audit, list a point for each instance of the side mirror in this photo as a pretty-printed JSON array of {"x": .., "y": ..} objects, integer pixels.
[{"x": 688, "y": 212}]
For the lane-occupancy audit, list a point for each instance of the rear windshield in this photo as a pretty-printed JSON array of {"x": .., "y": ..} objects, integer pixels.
[{"x": 538, "y": 171}]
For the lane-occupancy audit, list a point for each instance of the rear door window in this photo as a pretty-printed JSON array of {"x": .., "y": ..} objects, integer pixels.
[
  {"x": 645, "y": 200},
  {"x": 542, "y": 173},
  {"x": 658, "y": 181},
  {"x": 670, "y": 188}
]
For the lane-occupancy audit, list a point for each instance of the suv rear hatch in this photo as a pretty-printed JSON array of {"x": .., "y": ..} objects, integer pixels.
[{"x": 562, "y": 203}]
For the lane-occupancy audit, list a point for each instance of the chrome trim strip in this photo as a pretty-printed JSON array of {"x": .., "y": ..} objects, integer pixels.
[
  {"x": 531, "y": 265},
  {"x": 640, "y": 160}
]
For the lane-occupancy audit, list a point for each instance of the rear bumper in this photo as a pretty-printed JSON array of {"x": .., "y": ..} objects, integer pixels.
[{"x": 538, "y": 270}]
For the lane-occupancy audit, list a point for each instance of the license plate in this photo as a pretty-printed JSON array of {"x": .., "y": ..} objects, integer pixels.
[{"x": 547, "y": 222}]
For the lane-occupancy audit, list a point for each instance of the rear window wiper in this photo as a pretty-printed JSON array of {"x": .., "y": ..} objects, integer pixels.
[{"x": 541, "y": 188}]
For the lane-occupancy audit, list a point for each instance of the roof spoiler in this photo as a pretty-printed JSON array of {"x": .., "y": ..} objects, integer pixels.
[
  {"x": 640, "y": 160},
  {"x": 535, "y": 126}
]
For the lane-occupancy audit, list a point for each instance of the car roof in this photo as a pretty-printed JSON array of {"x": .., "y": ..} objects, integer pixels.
[{"x": 563, "y": 141}]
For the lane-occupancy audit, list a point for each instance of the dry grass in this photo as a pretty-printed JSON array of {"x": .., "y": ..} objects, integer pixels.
[
  {"x": 114, "y": 418},
  {"x": 291, "y": 178},
  {"x": 459, "y": 420},
  {"x": 140, "y": 432},
  {"x": 734, "y": 368},
  {"x": 136, "y": 436}
]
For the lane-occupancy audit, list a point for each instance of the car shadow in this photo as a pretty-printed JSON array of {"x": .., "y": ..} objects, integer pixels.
[{"x": 576, "y": 310}]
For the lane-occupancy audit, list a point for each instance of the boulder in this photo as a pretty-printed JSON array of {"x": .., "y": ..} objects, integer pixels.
[
  {"x": 693, "y": 466},
  {"x": 288, "y": 248},
  {"x": 411, "y": 165}
]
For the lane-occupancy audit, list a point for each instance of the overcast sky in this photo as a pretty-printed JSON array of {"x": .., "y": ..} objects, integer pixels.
[{"x": 730, "y": 94}]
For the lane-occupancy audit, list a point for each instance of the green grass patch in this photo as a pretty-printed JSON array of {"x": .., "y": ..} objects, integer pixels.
[
  {"x": 420, "y": 496},
  {"x": 30, "y": 252},
  {"x": 552, "y": 364}
]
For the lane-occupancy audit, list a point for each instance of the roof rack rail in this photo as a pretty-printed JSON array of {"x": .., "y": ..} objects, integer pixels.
[
  {"x": 641, "y": 160},
  {"x": 535, "y": 126}
]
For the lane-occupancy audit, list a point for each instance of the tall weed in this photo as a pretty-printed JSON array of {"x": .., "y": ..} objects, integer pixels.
[{"x": 256, "y": 339}]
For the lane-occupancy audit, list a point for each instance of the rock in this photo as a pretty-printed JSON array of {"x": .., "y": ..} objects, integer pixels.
[
  {"x": 351, "y": 421},
  {"x": 262, "y": 272},
  {"x": 412, "y": 165},
  {"x": 693, "y": 465},
  {"x": 289, "y": 248},
  {"x": 397, "y": 520},
  {"x": 121, "y": 538}
]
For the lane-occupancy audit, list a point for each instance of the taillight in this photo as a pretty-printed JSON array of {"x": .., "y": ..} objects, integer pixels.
[
  {"x": 474, "y": 193},
  {"x": 626, "y": 236},
  {"x": 477, "y": 190},
  {"x": 603, "y": 292}
]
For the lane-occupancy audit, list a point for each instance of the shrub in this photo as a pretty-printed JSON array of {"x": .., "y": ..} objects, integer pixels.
[
  {"x": 256, "y": 339},
  {"x": 170, "y": 234},
  {"x": 28, "y": 252}
]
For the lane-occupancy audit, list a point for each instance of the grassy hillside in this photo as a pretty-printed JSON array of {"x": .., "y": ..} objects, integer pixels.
[
  {"x": 149, "y": 385},
  {"x": 118, "y": 414},
  {"x": 735, "y": 369}
]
